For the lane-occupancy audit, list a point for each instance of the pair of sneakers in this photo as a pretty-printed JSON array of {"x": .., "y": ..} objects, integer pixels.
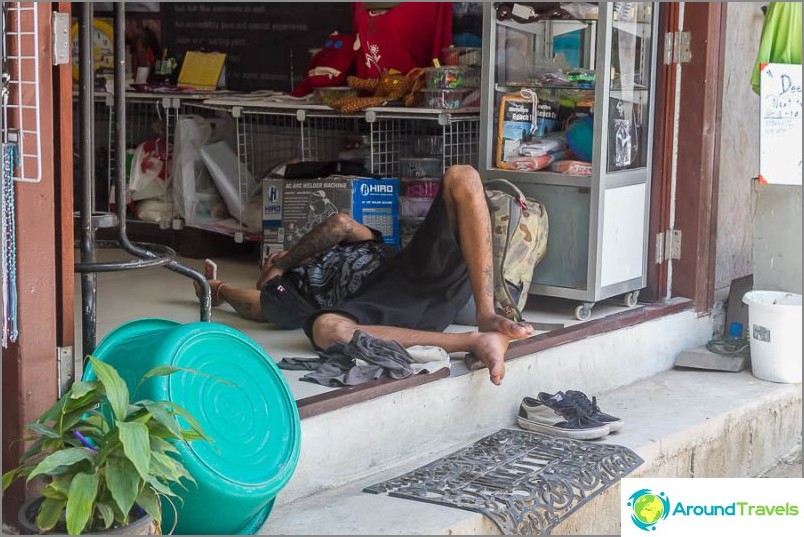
[{"x": 570, "y": 414}]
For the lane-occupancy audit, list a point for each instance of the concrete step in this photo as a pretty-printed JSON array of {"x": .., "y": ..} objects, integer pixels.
[
  {"x": 402, "y": 428},
  {"x": 682, "y": 423}
]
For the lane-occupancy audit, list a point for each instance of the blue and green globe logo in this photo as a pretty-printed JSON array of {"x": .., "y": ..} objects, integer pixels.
[{"x": 648, "y": 508}]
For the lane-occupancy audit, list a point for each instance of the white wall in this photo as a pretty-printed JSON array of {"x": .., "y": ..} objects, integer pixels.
[
  {"x": 739, "y": 144},
  {"x": 777, "y": 238}
]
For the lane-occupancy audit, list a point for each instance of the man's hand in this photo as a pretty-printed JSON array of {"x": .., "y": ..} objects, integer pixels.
[{"x": 269, "y": 268}]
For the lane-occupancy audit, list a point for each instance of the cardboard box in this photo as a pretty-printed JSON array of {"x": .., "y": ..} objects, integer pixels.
[
  {"x": 372, "y": 202},
  {"x": 273, "y": 234}
]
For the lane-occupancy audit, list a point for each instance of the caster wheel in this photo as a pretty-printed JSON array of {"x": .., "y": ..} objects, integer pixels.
[
  {"x": 583, "y": 312},
  {"x": 630, "y": 299}
]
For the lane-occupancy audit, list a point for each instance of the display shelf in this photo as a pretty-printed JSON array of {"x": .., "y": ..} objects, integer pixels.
[
  {"x": 597, "y": 246},
  {"x": 271, "y": 132}
]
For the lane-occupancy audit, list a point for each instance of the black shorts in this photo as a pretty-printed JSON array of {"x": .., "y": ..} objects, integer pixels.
[{"x": 423, "y": 287}]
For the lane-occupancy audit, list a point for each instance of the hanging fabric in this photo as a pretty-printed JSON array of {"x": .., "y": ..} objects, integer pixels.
[
  {"x": 9, "y": 254},
  {"x": 781, "y": 38}
]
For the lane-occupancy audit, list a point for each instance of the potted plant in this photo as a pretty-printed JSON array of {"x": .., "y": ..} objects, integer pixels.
[{"x": 106, "y": 461}]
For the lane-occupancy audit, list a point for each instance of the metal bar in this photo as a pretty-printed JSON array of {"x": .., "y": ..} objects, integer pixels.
[
  {"x": 120, "y": 164},
  {"x": 86, "y": 95}
]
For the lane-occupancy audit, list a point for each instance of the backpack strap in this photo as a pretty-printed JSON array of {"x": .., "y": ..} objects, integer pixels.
[
  {"x": 500, "y": 250},
  {"x": 512, "y": 188}
]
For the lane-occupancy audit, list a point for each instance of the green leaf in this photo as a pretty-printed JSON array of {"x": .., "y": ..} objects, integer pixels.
[
  {"x": 161, "y": 445},
  {"x": 49, "y": 514},
  {"x": 176, "y": 409},
  {"x": 162, "y": 371},
  {"x": 160, "y": 487},
  {"x": 53, "y": 412},
  {"x": 162, "y": 416},
  {"x": 123, "y": 482},
  {"x": 116, "y": 389},
  {"x": 165, "y": 467},
  {"x": 43, "y": 430},
  {"x": 106, "y": 513},
  {"x": 53, "y": 493},
  {"x": 134, "y": 437},
  {"x": 55, "y": 462},
  {"x": 35, "y": 449},
  {"x": 80, "y": 501},
  {"x": 149, "y": 501},
  {"x": 165, "y": 370},
  {"x": 81, "y": 388},
  {"x": 9, "y": 477},
  {"x": 62, "y": 483},
  {"x": 190, "y": 435}
]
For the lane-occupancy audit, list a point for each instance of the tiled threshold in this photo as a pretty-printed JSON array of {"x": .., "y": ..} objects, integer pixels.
[{"x": 333, "y": 400}]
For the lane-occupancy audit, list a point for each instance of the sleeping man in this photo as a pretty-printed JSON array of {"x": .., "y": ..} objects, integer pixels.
[{"x": 340, "y": 278}]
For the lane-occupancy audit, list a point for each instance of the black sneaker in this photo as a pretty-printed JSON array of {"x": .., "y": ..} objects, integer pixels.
[
  {"x": 567, "y": 420},
  {"x": 591, "y": 408}
]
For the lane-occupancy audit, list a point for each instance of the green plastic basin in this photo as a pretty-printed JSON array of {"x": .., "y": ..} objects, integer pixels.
[{"x": 241, "y": 400}]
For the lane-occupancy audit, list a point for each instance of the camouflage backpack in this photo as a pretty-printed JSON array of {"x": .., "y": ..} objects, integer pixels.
[{"x": 519, "y": 228}]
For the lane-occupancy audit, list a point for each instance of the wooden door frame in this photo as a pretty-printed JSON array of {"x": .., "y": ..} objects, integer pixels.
[
  {"x": 697, "y": 165},
  {"x": 29, "y": 364}
]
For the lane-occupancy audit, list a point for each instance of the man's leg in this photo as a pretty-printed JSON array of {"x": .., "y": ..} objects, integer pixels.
[
  {"x": 490, "y": 347},
  {"x": 468, "y": 211}
]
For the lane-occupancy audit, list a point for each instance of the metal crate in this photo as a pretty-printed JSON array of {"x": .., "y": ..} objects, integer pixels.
[
  {"x": 146, "y": 118},
  {"x": 393, "y": 137}
]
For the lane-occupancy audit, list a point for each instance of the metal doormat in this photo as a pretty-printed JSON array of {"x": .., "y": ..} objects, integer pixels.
[{"x": 525, "y": 482}]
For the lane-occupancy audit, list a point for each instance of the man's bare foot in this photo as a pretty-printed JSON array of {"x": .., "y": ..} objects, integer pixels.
[
  {"x": 215, "y": 288},
  {"x": 490, "y": 348},
  {"x": 498, "y": 323}
]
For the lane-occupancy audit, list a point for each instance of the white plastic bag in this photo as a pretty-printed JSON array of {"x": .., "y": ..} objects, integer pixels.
[
  {"x": 221, "y": 161},
  {"x": 149, "y": 171},
  {"x": 194, "y": 193}
]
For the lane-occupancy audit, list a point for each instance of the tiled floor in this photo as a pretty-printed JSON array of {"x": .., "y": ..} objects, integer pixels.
[{"x": 125, "y": 296}]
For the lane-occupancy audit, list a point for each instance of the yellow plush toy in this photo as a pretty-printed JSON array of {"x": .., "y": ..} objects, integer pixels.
[{"x": 391, "y": 86}]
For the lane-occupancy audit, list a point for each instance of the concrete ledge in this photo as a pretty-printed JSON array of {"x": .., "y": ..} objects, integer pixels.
[
  {"x": 682, "y": 423},
  {"x": 405, "y": 427}
]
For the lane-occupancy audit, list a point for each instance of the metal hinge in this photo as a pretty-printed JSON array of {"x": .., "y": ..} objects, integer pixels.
[
  {"x": 668, "y": 245},
  {"x": 677, "y": 47},
  {"x": 66, "y": 369},
  {"x": 60, "y": 24}
]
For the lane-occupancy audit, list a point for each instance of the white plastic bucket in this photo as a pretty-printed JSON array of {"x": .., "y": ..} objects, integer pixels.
[{"x": 774, "y": 325}]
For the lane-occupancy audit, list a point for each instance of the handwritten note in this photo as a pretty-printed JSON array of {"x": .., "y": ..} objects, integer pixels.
[{"x": 780, "y": 124}]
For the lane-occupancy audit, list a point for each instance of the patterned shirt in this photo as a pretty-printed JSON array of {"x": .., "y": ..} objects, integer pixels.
[{"x": 340, "y": 272}]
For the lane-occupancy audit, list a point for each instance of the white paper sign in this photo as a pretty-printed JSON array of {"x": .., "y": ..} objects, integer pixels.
[{"x": 780, "y": 124}]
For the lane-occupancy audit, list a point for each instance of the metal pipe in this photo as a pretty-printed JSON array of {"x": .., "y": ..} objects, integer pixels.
[
  {"x": 87, "y": 145},
  {"x": 120, "y": 163}
]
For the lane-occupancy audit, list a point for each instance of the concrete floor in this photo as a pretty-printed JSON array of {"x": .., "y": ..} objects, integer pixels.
[
  {"x": 789, "y": 466},
  {"x": 129, "y": 295}
]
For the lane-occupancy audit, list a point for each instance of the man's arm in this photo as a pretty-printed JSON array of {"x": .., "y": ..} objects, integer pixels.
[{"x": 334, "y": 230}]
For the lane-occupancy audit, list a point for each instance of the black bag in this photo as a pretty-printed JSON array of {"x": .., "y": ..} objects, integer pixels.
[{"x": 283, "y": 305}]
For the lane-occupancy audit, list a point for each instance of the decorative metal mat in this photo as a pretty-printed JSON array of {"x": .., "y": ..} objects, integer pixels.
[{"x": 525, "y": 482}]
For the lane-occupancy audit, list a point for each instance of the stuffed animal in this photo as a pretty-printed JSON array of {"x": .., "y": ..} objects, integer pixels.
[
  {"x": 391, "y": 86},
  {"x": 330, "y": 65}
]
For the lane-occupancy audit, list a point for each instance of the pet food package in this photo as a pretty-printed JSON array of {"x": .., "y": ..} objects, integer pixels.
[
  {"x": 520, "y": 131},
  {"x": 372, "y": 202},
  {"x": 515, "y": 126},
  {"x": 572, "y": 167}
]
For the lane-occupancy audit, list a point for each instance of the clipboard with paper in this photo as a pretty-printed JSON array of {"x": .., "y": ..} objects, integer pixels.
[{"x": 201, "y": 70}]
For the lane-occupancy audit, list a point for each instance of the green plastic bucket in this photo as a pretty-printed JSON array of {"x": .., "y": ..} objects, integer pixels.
[{"x": 252, "y": 418}]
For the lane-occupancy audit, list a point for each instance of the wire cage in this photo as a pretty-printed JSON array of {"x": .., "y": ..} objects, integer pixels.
[
  {"x": 147, "y": 118},
  {"x": 452, "y": 138}
]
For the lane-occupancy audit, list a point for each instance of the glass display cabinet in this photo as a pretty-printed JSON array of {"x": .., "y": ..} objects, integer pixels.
[{"x": 567, "y": 116}]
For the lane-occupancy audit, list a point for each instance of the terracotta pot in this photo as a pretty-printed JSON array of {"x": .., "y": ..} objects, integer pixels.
[{"x": 142, "y": 526}]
